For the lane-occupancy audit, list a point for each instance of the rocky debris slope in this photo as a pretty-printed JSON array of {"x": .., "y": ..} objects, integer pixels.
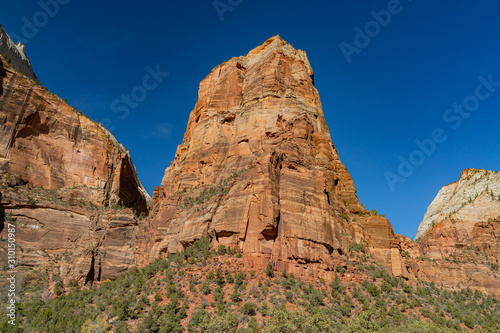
[
  {"x": 257, "y": 170},
  {"x": 15, "y": 55},
  {"x": 458, "y": 242},
  {"x": 69, "y": 187}
]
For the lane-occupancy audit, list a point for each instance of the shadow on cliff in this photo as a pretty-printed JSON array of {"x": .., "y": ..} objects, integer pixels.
[{"x": 3, "y": 73}]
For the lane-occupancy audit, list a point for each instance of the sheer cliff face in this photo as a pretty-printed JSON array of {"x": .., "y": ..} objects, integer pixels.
[
  {"x": 49, "y": 144},
  {"x": 257, "y": 169},
  {"x": 459, "y": 237},
  {"x": 475, "y": 197},
  {"x": 58, "y": 171},
  {"x": 16, "y": 55}
]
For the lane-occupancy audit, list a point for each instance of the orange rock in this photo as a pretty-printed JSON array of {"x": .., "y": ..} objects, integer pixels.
[
  {"x": 459, "y": 238},
  {"x": 50, "y": 144},
  {"x": 257, "y": 169},
  {"x": 47, "y": 143}
]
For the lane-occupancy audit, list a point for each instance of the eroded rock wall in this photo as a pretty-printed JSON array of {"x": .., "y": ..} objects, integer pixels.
[{"x": 257, "y": 169}]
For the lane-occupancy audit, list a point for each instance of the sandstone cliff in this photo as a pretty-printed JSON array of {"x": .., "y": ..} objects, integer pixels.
[
  {"x": 16, "y": 55},
  {"x": 49, "y": 144},
  {"x": 475, "y": 197},
  {"x": 257, "y": 170},
  {"x": 459, "y": 237},
  {"x": 67, "y": 184}
]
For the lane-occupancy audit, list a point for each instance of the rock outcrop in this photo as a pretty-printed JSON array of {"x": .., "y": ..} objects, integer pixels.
[
  {"x": 257, "y": 169},
  {"x": 15, "y": 55},
  {"x": 458, "y": 241},
  {"x": 49, "y": 144},
  {"x": 475, "y": 197},
  {"x": 66, "y": 183}
]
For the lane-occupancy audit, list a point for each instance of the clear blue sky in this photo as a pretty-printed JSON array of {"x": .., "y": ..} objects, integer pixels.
[{"x": 397, "y": 89}]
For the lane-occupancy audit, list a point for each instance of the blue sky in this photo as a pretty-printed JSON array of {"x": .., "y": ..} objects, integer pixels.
[{"x": 400, "y": 85}]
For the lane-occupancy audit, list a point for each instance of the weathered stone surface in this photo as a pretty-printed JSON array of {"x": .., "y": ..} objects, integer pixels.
[
  {"x": 87, "y": 245},
  {"x": 257, "y": 169},
  {"x": 59, "y": 171},
  {"x": 50, "y": 144},
  {"x": 16, "y": 55},
  {"x": 382, "y": 242},
  {"x": 459, "y": 238},
  {"x": 473, "y": 198}
]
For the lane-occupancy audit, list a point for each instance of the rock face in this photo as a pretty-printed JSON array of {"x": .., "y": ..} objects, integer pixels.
[
  {"x": 49, "y": 144},
  {"x": 377, "y": 233},
  {"x": 459, "y": 237},
  {"x": 475, "y": 197},
  {"x": 60, "y": 174},
  {"x": 257, "y": 169},
  {"x": 16, "y": 55}
]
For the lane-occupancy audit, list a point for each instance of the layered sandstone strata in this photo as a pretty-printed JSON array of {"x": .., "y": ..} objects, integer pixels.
[
  {"x": 48, "y": 143},
  {"x": 59, "y": 173},
  {"x": 475, "y": 197},
  {"x": 257, "y": 169},
  {"x": 458, "y": 241}
]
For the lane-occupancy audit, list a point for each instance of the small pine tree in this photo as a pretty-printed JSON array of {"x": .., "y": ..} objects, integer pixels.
[{"x": 269, "y": 270}]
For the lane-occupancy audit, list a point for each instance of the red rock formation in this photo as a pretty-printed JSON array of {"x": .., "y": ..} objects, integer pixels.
[
  {"x": 73, "y": 168},
  {"x": 49, "y": 144},
  {"x": 257, "y": 169},
  {"x": 459, "y": 236}
]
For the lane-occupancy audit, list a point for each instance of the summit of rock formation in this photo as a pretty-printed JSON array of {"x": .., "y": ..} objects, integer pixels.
[
  {"x": 458, "y": 241},
  {"x": 15, "y": 55},
  {"x": 475, "y": 197},
  {"x": 257, "y": 170}
]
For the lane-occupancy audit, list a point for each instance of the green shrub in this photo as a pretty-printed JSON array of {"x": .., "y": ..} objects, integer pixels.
[
  {"x": 249, "y": 309},
  {"x": 269, "y": 270},
  {"x": 358, "y": 247},
  {"x": 205, "y": 288}
]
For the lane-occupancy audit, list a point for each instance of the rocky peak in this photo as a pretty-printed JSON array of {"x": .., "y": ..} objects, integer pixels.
[
  {"x": 458, "y": 242},
  {"x": 257, "y": 169},
  {"x": 474, "y": 197},
  {"x": 15, "y": 55}
]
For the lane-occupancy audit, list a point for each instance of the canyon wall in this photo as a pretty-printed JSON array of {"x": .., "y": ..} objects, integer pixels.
[
  {"x": 67, "y": 184},
  {"x": 257, "y": 170}
]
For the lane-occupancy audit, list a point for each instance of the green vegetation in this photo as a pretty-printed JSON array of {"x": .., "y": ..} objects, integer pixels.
[
  {"x": 222, "y": 188},
  {"x": 202, "y": 290},
  {"x": 358, "y": 247},
  {"x": 15, "y": 189}
]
